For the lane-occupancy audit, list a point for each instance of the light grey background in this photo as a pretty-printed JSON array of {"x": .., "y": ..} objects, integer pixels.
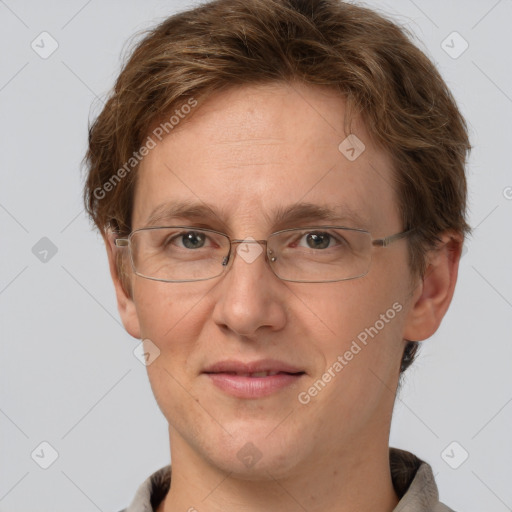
[{"x": 67, "y": 369}]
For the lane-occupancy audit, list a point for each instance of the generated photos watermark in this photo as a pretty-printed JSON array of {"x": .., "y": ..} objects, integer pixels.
[
  {"x": 159, "y": 133},
  {"x": 342, "y": 361}
]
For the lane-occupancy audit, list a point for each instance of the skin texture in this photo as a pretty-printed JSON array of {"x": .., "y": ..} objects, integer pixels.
[{"x": 245, "y": 152}]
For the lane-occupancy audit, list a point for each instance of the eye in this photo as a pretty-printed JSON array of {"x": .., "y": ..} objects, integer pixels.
[
  {"x": 318, "y": 240},
  {"x": 189, "y": 239}
]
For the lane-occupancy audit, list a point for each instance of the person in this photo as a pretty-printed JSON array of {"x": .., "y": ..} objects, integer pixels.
[{"x": 280, "y": 185}]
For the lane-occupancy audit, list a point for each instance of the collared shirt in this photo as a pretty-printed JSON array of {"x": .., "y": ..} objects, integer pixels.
[{"x": 412, "y": 479}]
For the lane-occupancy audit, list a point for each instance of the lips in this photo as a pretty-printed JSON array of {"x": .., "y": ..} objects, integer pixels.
[
  {"x": 254, "y": 374},
  {"x": 261, "y": 368},
  {"x": 251, "y": 380}
]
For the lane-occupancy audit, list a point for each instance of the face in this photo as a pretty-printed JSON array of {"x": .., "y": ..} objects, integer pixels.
[{"x": 246, "y": 154}]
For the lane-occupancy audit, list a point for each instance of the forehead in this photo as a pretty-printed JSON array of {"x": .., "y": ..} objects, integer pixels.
[{"x": 251, "y": 155}]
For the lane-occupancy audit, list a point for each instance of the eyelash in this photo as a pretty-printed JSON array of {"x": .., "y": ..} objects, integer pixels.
[{"x": 296, "y": 239}]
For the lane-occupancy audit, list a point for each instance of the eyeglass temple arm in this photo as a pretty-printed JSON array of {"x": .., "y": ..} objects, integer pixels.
[{"x": 384, "y": 242}]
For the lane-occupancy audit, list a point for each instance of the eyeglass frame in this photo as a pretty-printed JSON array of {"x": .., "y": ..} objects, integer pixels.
[{"x": 376, "y": 242}]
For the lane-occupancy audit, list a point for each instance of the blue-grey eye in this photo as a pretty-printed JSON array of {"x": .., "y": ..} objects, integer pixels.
[{"x": 193, "y": 239}]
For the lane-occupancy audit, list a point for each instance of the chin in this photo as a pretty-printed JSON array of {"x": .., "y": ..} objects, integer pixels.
[
  {"x": 267, "y": 468},
  {"x": 256, "y": 455}
]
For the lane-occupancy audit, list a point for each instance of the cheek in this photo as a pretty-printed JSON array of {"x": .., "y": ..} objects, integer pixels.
[
  {"x": 343, "y": 310},
  {"x": 175, "y": 317},
  {"x": 172, "y": 316},
  {"x": 356, "y": 330},
  {"x": 359, "y": 353}
]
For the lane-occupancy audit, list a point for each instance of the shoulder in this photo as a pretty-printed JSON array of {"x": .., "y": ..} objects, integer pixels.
[
  {"x": 151, "y": 492},
  {"x": 414, "y": 483}
]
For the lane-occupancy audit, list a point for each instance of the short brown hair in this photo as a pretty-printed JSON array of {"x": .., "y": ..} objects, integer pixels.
[{"x": 402, "y": 99}]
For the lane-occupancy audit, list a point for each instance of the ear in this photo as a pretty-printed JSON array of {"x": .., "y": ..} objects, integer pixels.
[
  {"x": 118, "y": 264},
  {"x": 434, "y": 291}
]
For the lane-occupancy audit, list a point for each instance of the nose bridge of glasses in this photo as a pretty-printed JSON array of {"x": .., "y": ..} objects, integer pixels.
[{"x": 249, "y": 240}]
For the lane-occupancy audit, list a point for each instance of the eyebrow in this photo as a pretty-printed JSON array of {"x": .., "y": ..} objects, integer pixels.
[{"x": 280, "y": 218}]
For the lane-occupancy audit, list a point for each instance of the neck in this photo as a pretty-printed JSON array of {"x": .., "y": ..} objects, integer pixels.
[{"x": 356, "y": 479}]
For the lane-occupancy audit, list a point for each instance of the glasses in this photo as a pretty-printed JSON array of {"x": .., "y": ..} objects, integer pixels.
[{"x": 315, "y": 254}]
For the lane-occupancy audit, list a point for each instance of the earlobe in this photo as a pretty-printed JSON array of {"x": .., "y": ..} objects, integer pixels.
[
  {"x": 434, "y": 292},
  {"x": 125, "y": 303}
]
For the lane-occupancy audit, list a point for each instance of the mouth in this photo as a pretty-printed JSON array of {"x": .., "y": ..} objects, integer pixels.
[
  {"x": 256, "y": 375},
  {"x": 253, "y": 380}
]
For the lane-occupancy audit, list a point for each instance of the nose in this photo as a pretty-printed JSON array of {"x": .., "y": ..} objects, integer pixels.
[{"x": 250, "y": 298}]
